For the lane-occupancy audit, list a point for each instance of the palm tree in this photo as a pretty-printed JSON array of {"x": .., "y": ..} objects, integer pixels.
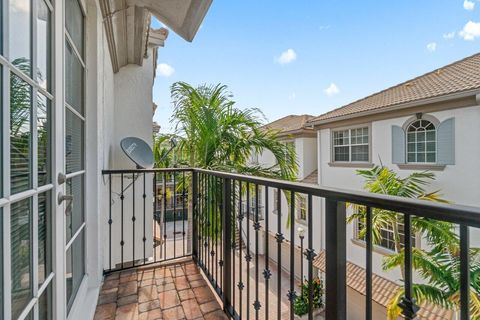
[
  {"x": 164, "y": 152},
  {"x": 380, "y": 179},
  {"x": 219, "y": 136},
  {"x": 440, "y": 265},
  {"x": 214, "y": 134}
]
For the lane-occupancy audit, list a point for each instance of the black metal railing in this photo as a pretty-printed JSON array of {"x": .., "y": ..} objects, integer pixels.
[
  {"x": 255, "y": 281},
  {"x": 147, "y": 217}
]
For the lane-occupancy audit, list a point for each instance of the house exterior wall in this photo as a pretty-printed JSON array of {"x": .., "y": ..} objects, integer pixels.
[
  {"x": 307, "y": 156},
  {"x": 306, "y": 150},
  {"x": 458, "y": 183}
]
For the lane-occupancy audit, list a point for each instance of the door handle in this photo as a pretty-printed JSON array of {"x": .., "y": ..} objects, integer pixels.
[
  {"x": 61, "y": 178},
  {"x": 62, "y": 197}
]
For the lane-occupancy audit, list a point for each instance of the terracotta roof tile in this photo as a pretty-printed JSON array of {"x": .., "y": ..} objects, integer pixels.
[
  {"x": 460, "y": 76},
  {"x": 312, "y": 178},
  {"x": 290, "y": 123},
  {"x": 383, "y": 289}
]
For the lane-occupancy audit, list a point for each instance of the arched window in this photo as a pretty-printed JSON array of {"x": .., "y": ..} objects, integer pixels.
[{"x": 421, "y": 142}]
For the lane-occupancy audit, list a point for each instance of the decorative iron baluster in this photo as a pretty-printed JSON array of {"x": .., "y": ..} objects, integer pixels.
[
  {"x": 164, "y": 220},
  {"x": 110, "y": 221},
  {"x": 256, "y": 304},
  {"x": 368, "y": 260},
  {"x": 133, "y": 219},
  {"x": 122, "y": 197},
  {"x": 227, "y": 241},
  {"x": 174, "y": 199},
  {"x": 310, "y": 254},
  {"x": 144, "y": 239},
  {"x": 292, "y": 295},
  {"x": 183, "y": 211},
  {"x": 266, "y": 272},
  {"x": 280, "y": 238},
  {"x": 248, "y": 256},
  {"x": 240, "y": 257}
]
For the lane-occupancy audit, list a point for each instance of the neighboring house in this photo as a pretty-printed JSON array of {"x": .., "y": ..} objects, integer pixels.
[
  {"x": 77, "y": 77},
  {"x": 431, "y": 122},
  {"x": 292, "y": 130}
]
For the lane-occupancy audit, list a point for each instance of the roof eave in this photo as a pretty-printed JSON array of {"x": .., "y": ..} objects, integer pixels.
[
  {"x": 297, "y": 133},
  {"x": 190, "y": 24},
  {"x": 457, "y": 95}
]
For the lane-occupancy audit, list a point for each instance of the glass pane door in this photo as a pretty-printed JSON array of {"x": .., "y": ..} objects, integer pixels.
[
  {"x": 26, "y": 189},
  {"x": 74, "y": 149}
]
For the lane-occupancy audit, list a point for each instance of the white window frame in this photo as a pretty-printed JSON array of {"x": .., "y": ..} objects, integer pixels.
[
  {"x": 301, "y": 206},
  {"x": 425, "y": 152},
  {"x": 276, "y": 195},
  {"x": 349, "y": 144},
  {"x": 382, "y": 246},
  {"x": 255, "y": 158}
]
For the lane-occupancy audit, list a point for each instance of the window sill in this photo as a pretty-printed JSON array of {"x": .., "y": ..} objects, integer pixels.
[
  {"x": 377, "y": 249},
  {"x": 419, "y": 166},
  {"x": 351, "y": 164}
]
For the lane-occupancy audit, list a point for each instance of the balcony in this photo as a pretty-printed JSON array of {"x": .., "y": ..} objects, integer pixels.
[{"x": 215, "y": 260}]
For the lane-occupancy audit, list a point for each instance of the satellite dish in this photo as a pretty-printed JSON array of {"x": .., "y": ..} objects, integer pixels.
[{"x": 138, "y": 151}]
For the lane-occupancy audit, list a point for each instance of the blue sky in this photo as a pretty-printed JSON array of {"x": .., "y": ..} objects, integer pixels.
[{"x": 308, "y": 57}]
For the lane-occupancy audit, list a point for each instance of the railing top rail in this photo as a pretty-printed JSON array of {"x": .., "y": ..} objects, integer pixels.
[
  {"x": 461, "y": 214},
  {"x": 119, "y": 171},
  {"x": 454, "y": 213}
]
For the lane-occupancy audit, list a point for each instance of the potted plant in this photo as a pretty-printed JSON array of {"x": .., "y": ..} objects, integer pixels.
[{"x": 301, "y": 303}]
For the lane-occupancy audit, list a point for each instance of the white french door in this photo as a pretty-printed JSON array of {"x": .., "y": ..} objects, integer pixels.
[
  {"x": 42, "y": 167},
  {"x": 74, "y": 151}
]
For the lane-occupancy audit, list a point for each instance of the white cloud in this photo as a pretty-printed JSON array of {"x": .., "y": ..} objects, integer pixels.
[
  {"x": 165, "y": 70},
  {"x": 449, "y": 35},
  {"x": 286, "y": 57},
  {"x": 332, "y": 90},
  {"x": 324, "y": 27},
  {"x": 292, "y": 96},
  {"x": 432, "y": 46},
  {"x": 21, "y": 6},
  {"x": 470, "y": 31},
  {"x": 468, "y": 5}
]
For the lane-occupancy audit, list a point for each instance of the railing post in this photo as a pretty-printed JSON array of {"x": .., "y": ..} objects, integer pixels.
[
  {"x": 194, "y": 215},
  {"x": 464, "y": 273},
  {"x": 407, "y": 303},
  {"x": 227, "y": 244},
  {"x": 336, "y": 260}
]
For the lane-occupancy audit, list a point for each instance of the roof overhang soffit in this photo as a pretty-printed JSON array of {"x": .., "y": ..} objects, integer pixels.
[{"x": 127, "y": 25}]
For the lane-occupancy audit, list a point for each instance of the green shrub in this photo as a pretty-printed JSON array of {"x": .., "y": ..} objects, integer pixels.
[{"x": 300, "y": 305}]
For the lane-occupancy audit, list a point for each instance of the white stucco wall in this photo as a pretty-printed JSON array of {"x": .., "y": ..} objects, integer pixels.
[
  {"x": 117, "y": 105},
  {"x": 459, "y": 183},
  {"x": 306, "y": 150},
  {"x": 132, "y": 116}
]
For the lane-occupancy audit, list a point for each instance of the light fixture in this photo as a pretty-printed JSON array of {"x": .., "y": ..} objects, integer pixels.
[{"x": 301, "y": 232}]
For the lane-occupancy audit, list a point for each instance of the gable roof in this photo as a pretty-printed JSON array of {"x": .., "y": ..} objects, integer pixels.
[
  {"x": 291, "y": 124},
  {"x": 462, "y": 76},
  {"x": 383, "y": 290}
]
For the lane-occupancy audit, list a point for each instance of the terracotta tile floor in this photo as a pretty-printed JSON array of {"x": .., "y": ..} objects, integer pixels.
[{"x": 158, "y": 292}]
